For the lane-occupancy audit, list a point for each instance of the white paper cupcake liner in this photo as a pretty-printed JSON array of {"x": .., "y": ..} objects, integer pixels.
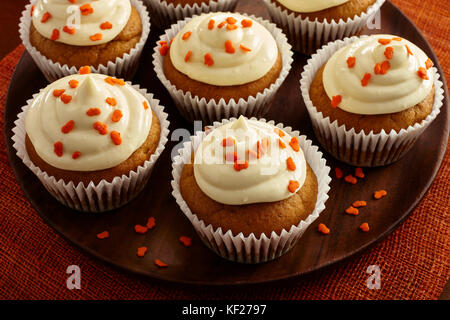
[
  {"x": 105, "y": 195},
  {"x": 251, "y": 249},
  {"x": 122, "y": 67},
  {"x": 164, "y": 14},
  {"x": 307, "y": 36},
  {"x": 195, "y": 108},
  {"x": 361, "y": 149}
]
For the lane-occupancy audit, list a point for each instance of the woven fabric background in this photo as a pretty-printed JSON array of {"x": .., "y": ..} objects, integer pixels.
[{"x": 414, "y": 260}]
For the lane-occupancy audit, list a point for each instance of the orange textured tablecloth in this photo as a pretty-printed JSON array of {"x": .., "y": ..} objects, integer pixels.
[{"x": 414, "y": 259}]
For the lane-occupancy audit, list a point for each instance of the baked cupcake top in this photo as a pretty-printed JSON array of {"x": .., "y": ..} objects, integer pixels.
[
  {"x": 88, "y": 122},
  {"x": 99, "y": 21},
  {"x": 380, "y": 74},
  {"x": 223, "y": 49},
  {"x": 310, "y": 5},
  {"x": 249, "y": 161}
]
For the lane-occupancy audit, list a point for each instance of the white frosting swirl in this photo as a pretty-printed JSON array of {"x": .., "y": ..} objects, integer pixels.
[
  {"x": 266, "y": 179},
  {"x": 116, "y": 12},
  {"x": 228, "y": 69},
  {"x": 398, "y": 89},
  {"x": 310, "y": 5},
  {"x": 48, "y": 114}
]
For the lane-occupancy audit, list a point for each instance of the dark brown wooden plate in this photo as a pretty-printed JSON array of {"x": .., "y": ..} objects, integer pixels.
[{"x": 407, "y": 181}]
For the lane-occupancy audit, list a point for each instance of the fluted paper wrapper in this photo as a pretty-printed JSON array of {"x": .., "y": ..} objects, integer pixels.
[
  {"x": 251, "y": 249},
  {"x": 123, "y": 67},
  {"x": 164, "y": 14},
  {"x": 307, "y": 36},
  {"x": 361, "y": 149},
  {"x": 105, "y": 195},
  {"x": 195, "y": 108}
]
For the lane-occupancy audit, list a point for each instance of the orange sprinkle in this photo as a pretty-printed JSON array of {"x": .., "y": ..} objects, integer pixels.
[
  {"x": 163, "y": 49},
  {"x": 141, "y": 251},
  {"x": 140, "y": 229},
  {"x": 389, "y": 52},
  {"x": 422, "y": 72},
  {"x": 359, "y": 203},
  {"x": 290, "y": 164},
  {"x": 209, "y": 60},
  {"x": 385, "y": 66},
  {"x": 231, "y": 20},
  {"x": 188, "y": 55},
  {"x": 351, "y": 62},
  {"x": 244, "y": 48},
  {"x": 429, "y": 63},
  {"x": 45, "y": 17},
  {"x": 100, "y": 127},
  {"x": 407, "y": 50},
  {"x": 103, "y": 235},
  {"x": 221, "y": 24},
  {"x": 106, "y": 25},
  {"x": 211, "y": 24},
  {"x": 111, "y": 101},
  {"x": 86, "y": 9},
  {"x": 145, "y": 104},
  {"x": 69, "y": 30},
  {"x": 336, "y": 100},
  {"x": 73, "y": 83},
  {"x": 116, "y": 116},
  {"x": 338, "y": 172},
  {"x": 231, "y": 26},
  {"x": 115, "y": 137},
  {"x": 293, "y": 186},
  {"x": 112, "y": 81},
  {"x": 240, "y": 166},
  {"x": 151, "y": 223},
  {"x": 68, "y": 127},
  {"x": 322, "y": 228},
  {"x": 379, "y": 194},
  {"x": 359, "y": 173},
  {"x": 31, "y": 11},
  {"x": 93, "y": 112},
  {"x": 279, "y": 132},
  {"x": 228, "y": 142},
  {"x": 186, "y": 241},
  {"x": 186, "y": 35},
  {"x": 58, "y": 148},
  {"x": 96, "y": 37},
  {"x": 76, "y": 155},
  {"x": 58, "y": 92},
  {"x": 246, "y": 23},
  {"x": 294, "y": 144},
  {"x": 384, "y": 41},
  {"x": 84, "y": 70},
  {"x": 55, "y": 35},
  {"x": 171, "y": 40},
  {"x": 352, "y": 210},
  {"x": 365, "y": 79},
  {"x": 66, "y": 98},
  {"x": 72, "y": 1},
  {"x": 377, "y": 68},
  {"x": 162, "y": 42},
  {"x": 397, "y": 39},
  {"x": 364, "y": 227},
  {"x": 350, "y": 179},
  {"x": 229, "y": 47},
  {"x": 232, "y": 156},
  {"x": 160, "y": 263},
  {"x": 261, "y": 146},
  {"x": 281, "y": 144}
]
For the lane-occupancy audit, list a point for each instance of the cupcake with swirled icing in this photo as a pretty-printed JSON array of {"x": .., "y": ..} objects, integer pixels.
[
  {"x": 223, "y": 64},
  {"x": 249, "y": 176},
  {"x": 75, "y": 33},
  {"x": 372, "y": 97},
  {"x": 86, "y": 128}
]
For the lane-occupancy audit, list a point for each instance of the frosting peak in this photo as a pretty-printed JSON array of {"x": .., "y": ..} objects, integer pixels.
[
  {"x": 249, "y": 161},
  {"x": 100, "y": 21}
]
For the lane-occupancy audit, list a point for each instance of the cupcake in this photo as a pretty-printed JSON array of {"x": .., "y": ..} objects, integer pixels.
[
  {"x": 311, "y": 24},
  {"x": 91, "y": 139},
  {"x": 219, "y": 65},
  {"x": 370, "y": 98},
  {"x": 63, "y": 36},
  {"x": 250, "y": 188},
  {"x": 166, "y": 12}
]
